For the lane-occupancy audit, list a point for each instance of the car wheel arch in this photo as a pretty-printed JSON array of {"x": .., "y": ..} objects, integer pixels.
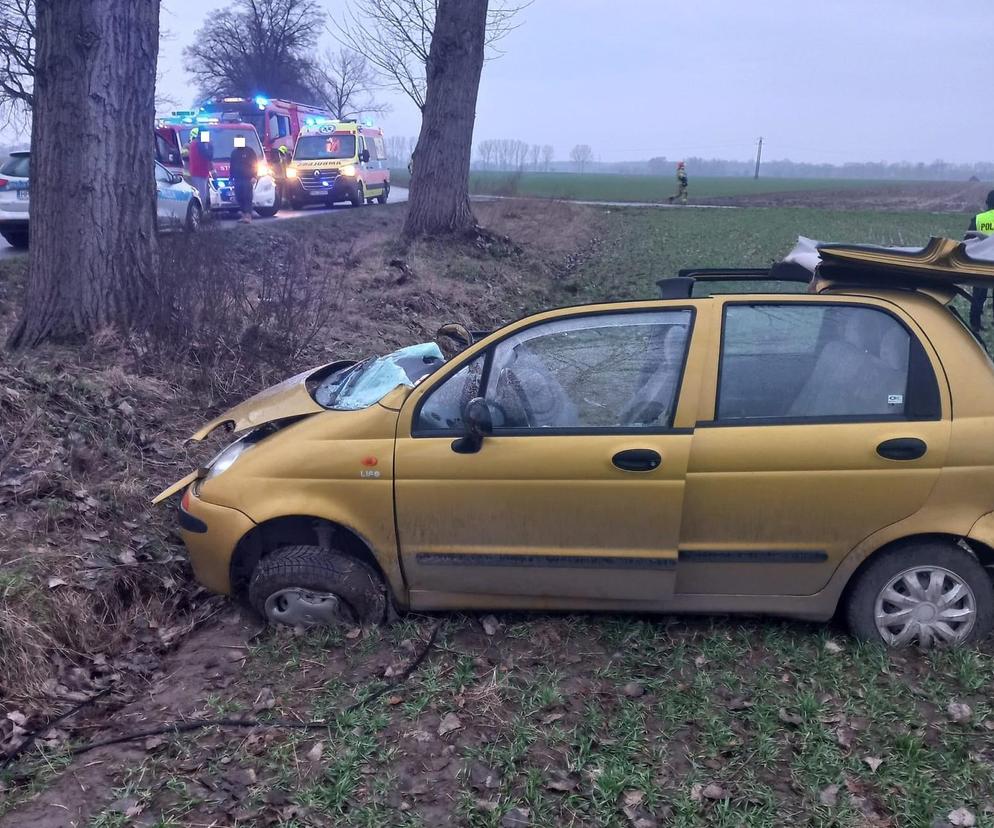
[
  {"x": 297, "y": 530},
  {"x": 983, "y": 553}
]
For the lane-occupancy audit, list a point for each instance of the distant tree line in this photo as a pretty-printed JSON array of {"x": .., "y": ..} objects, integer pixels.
[{"x": 514, "y": 155}]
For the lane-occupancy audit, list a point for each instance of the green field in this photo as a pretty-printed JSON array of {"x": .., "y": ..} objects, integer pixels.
[{"x": 601, "y": 187}]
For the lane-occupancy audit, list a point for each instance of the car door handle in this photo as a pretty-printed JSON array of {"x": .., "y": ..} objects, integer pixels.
[
  {"x": 637, "y": 460},
  {"x": 902, "y": 448}
]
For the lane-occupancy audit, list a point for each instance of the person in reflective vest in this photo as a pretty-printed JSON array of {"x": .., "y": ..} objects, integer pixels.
[
  {"x": 681, "y": 184},
  {"x": 982, "y": 223}
]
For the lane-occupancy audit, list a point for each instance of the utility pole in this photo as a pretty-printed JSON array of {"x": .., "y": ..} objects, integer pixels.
[{"x": 759, "y": 157}]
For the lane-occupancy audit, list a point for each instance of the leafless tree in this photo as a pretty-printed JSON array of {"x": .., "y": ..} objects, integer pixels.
[
  {"x": 395, "y": 36},
  {"x": 439, "y": 200},
  {"x": 92, "y": 245},
  {"x": 581, "y": 155},
  {"x": 17, "y": 56},
  {"x": 345, "y": 84},
  {"x": 257, "y": 46},
  {"x": 487, "y": 151},
  {"x": 548, "y": 153},
  {"x": 534, "y": 154}
]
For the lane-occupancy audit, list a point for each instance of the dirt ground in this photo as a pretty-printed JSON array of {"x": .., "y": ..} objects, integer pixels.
[{"x": 937, "y": 197}]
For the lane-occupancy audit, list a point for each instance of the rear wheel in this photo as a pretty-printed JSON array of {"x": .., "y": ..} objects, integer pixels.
[
  {"x": 382, "y": 198},
  {"x": 194, "y": 217},
  {"x": 17, "y": 239},
  {"x": 307, "y": 586},
  {"x": 930, "y": 594}
]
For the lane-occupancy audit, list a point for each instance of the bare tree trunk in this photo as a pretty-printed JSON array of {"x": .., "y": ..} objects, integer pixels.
[
  {"x": 92, "y": 185},
  {"x": 439, "y": 199}
]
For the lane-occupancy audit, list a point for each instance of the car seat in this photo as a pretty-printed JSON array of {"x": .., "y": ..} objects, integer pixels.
[
  {"x": 861, "y": 374},
  {"x": 652, "y": 403},
  {"x": 530, "y": 395}
]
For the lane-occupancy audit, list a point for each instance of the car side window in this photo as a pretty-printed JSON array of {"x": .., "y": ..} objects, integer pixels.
[
  {"x": 814, "y": 362},
  {"x": 604, "y": 371},
  {"x": 442, "y": 410},
  {"x": 161, "y": 175}
]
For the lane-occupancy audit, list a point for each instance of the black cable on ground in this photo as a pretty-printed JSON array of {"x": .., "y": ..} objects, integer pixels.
[{"x": 175, "y": 728}]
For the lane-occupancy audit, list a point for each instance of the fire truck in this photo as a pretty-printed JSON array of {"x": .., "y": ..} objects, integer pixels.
[
  {"x": 278, "y": 122},
  {"x": 172, "y": 135},
  {"x": 338, "y": 161}
]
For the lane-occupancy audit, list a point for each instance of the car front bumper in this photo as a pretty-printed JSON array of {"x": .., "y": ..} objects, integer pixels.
[
  {"x": 211, "y": 533},
  {"x": 336, "y": 189}
]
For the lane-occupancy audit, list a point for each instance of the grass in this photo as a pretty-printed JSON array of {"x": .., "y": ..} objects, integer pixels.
[
  {"x": 604, "y": 187},
  {"x": 750, "y": 712}
]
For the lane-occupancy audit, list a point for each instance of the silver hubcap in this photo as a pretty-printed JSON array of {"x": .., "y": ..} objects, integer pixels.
[
  {"x": 305, "y": 608},
  {"x": 926, "y": 604}
]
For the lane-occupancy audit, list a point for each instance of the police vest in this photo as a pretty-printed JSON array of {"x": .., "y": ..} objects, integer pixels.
[{"x": 985, "y": 222}]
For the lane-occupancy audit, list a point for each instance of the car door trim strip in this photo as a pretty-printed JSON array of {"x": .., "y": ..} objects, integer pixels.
[
  {"x": 552, "y": 561},
  {"x": 752, "y": 556}
]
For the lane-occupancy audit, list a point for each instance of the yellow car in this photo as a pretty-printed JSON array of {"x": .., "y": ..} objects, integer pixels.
[{"x": 792, "y": 454}]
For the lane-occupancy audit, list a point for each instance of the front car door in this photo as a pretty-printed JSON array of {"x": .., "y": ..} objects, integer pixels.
[
  {"x": 575, "y": 499},
  {"x": 831, "y": 420}
]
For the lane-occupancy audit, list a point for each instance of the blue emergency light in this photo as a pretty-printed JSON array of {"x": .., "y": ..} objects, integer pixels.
[{"x": 261, "y": 101}]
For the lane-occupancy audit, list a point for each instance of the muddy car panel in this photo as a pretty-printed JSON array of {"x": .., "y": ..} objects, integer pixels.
[{"x": 772, "y": 515}]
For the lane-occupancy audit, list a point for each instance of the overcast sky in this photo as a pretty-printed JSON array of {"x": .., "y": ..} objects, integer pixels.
[{"x": 845, "y": 80}]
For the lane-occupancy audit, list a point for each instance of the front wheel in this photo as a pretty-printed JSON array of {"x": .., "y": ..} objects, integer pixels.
[
  {"x": 358, "y": 197},
  {"x": 307, "y": 586},
  {"x": 268, "y": 212},
  {"x": 18, "y": 239},
  {"x": 934, "y": 593}
]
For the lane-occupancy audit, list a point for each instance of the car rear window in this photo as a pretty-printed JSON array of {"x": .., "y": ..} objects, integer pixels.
[
  {"x": 16, "y": 165},
  {"x": 804, "y": 362}
]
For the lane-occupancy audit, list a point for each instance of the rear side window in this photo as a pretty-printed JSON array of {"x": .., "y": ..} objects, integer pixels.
[
  {"x": 798, "y": 362},
  {"x": 16, "y": 165}
]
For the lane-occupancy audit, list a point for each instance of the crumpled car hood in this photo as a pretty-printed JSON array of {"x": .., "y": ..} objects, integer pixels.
[{"x": 289, "y": 398}]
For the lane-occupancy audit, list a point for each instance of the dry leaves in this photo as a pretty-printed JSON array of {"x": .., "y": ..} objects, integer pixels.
[
  {"x": 959, "y": 712},
  {"x": 491, "y": 626},
  {"x": 789, "y": 718},
  {"x": 833, "y": 647},
  {"x": 562, "y": 781},
  {"x": 449, "y": 723},
  {"x": 873, "y": 762},
  {"x": 829, "y": 796},
  {"x": 962, "y": 817},
  {"x": 633, "y": 690}
]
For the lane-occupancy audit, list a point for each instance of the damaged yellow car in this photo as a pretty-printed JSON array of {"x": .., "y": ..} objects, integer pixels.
[{"x": 786, "y": 453}]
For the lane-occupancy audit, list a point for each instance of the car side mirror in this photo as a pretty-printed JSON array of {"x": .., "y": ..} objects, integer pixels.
[
  {"x": 479, "y": 423},
  {"x": 175, "y": 178},
  {"x": 364, "y": 156}
]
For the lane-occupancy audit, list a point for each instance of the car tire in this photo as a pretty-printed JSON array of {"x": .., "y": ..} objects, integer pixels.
[
  {"x": 194, "y": 217},
  {"x": 914, "y": 617},
  {"x": 18, "y": 239},
  {"x": 268, "y": 212},
  {"x": 382, "y": 199},
  {"x": 308, "y": 586},
  {"x": 358, "y": 197}
]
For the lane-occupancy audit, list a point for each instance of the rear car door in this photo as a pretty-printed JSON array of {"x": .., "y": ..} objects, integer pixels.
[
  {"x": 575, "y": 499},
  {"x": 831, "y": 421}
]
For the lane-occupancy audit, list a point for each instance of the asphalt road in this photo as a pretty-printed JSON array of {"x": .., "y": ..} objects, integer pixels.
[{"x": 396, "y": 194}]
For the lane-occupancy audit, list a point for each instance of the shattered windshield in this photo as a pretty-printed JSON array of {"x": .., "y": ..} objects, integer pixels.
[{"x": 365, "y": 383}]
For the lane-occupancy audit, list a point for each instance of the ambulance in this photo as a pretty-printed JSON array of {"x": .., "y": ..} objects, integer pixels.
[{"x": 338, "y": 161}]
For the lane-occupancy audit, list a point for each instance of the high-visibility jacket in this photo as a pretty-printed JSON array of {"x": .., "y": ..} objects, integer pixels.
[{"x": 985, "y": 222}]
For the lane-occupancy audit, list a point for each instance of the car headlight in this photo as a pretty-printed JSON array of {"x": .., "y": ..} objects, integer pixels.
[
  {"x": 291, "y": 172},
  {"x": 262, "y": 168},
  {"x": 349, "y": 170},
  {"x": 226, "y": 458}
]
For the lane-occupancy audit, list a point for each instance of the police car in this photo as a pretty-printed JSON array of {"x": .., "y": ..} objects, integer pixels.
[
  {"x": 177, "y": 203},
  {"x": 14, "y": 199}
]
